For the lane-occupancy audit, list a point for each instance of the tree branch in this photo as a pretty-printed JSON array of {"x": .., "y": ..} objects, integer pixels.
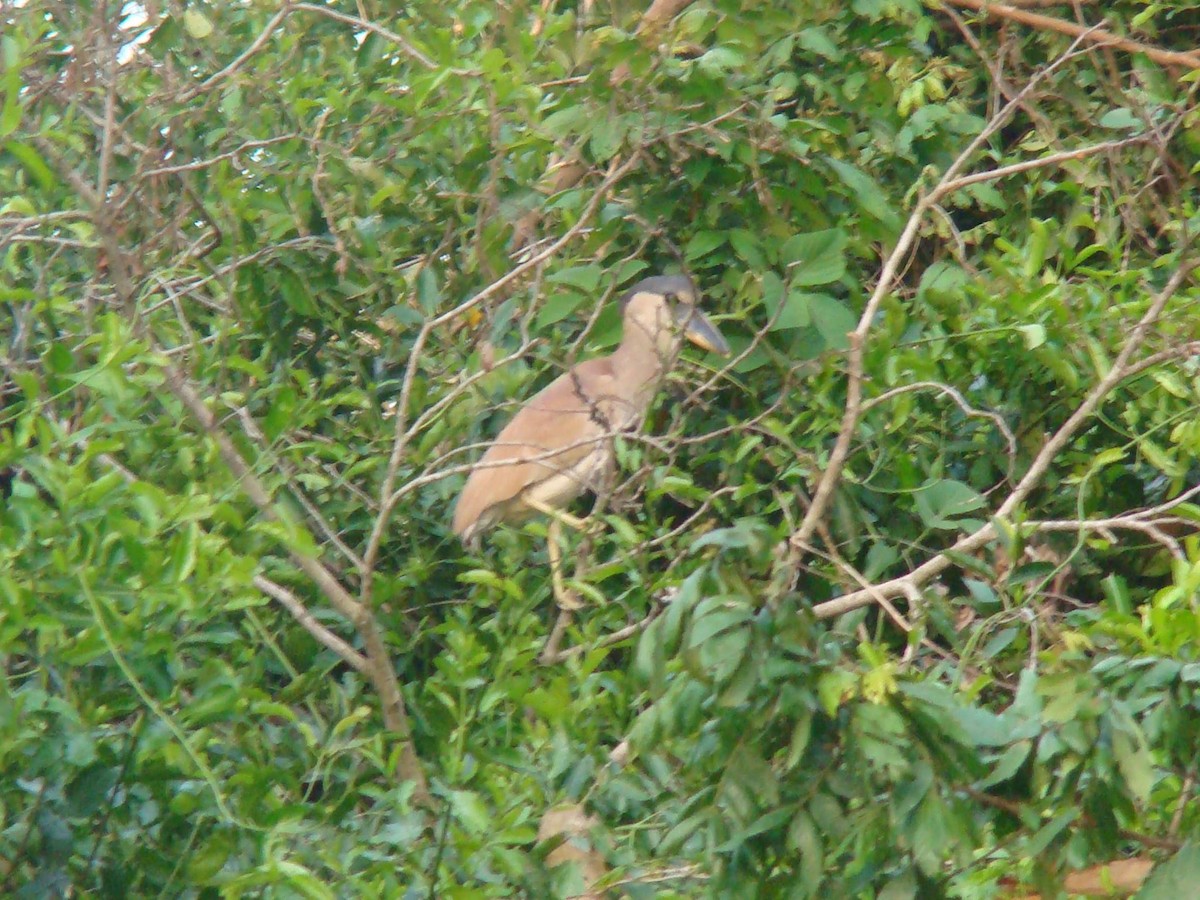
[
  {"x": 914, "y": 580},
  {"x": 304, "y": 616},
  {"x": 380, "y": 670},
  {"x": 823, "y": 495},
  {"x": 1080, "y": 32}
]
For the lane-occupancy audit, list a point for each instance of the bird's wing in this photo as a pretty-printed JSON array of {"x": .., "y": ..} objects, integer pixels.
[{"x": 556, "y": 429}]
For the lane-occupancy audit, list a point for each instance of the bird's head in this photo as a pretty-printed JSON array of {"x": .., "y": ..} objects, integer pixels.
[{"x": 665, "y": 307}]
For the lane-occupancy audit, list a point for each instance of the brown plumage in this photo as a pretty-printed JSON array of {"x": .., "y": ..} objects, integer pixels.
[{"x": 560, "y": 444}]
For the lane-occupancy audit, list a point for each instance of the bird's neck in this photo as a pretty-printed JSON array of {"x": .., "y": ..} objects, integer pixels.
[{"x": 643, "y": 357}]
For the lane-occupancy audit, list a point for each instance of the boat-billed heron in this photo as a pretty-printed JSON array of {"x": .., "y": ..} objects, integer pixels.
[{"x": 561, "y": 443}]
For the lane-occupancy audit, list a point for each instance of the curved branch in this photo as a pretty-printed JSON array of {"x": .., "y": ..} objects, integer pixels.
[
  {"x": 1121, "y": 368},
  {"x": 888, "y": 276}
]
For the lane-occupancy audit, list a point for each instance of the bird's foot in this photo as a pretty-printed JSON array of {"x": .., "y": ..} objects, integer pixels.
[{"x": 566, "y": 600}]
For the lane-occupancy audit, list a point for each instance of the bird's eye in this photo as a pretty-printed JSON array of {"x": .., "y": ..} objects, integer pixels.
[{"x": 671, "y": 297}]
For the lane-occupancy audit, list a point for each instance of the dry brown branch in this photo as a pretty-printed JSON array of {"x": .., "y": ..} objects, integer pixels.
[
  {"x": 367, "y": 25},
  {"x": 961, "y": 402},
  {"x": 1093, "y": 35},
  {"x": 252, "y": 431},
  {"x": 1152, "y": 529},
  {"x": 197, "y": 164},
  {"x": 240, "y": 60},
  {"x": 1185, "y": 797},
  {"x": 551, "y": 655},
  {"x": 379, "y": 664},
  {"x": 550, "y": 650},
  {"x": 276, "y": 20},
  {"x": 1042, "y": 162}
]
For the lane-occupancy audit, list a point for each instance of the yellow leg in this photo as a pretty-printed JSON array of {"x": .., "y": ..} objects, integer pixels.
[
  {"x": 558, "y": 516},
  {"x": 565, "y": 598}
]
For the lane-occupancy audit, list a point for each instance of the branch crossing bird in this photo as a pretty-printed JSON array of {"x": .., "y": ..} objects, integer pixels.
[{"x": 560, "y": 444}]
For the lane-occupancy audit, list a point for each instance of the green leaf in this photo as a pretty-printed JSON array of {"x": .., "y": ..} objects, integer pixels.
[
  {"x": 944, "y": 279},
  {"x": 902, "y": 887},
  {"x": 815, "y": 257},
  {"x": 607, "y": 134},
  {"x": 1121, "y": 119},
  {"x": 940, "y": 503},
  {"x": 870, "y": 194},
  {"x": 586, "y": 278},
  {"x": 703, "y": 243},
  {"x": 196, "y": 23},
  {"x": 470, "y": 810},
  {"x": 833, "y": 688},
  {"x": 564, "y": 122},
  {"x": 748, "y": 247},
  {"x": 1035, "y": 336},
  {"x": 805, "y": 839},
  {"x": 930, "y": 834},
  {"x": 10, "y": 113},
  {"x": 1133, "y": 759},
  {"x": 818, "y": 40},
  {"x": 832, "y": 319},
  {"x": 790, "y": 311},
  {"x": 559, "y": 306},
  {"x": 766, "y": 822},
  {"x": 1042, "y": 839},
  {"x": 1007, "y": 765},
  {"x": 1175, "y": 878},
  {"x": 33, "y": 163},
  {"x": 716, "y": 622}
]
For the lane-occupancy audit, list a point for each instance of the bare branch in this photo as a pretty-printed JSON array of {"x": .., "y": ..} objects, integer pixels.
[
  {"x": 1093, "y": 35},
  {"x": 240, "y": 60},
  {"x": 367, "y": 25},
  {"x": 962, "y": 404},
  {"x": 304, "y": 616},
  {"x": 551, "y": 654},
  {"x": 1042, "y": 162}
]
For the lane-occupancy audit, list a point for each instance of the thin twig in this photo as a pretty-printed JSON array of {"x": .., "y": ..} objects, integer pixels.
[
  {"x": 615, "y": 637},
  {"x": 305, "y": 617},
  {"x": 958, "y": 398}
]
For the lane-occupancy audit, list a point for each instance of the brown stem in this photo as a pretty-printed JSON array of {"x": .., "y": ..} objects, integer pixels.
[{"x": 1091, "y": 35}]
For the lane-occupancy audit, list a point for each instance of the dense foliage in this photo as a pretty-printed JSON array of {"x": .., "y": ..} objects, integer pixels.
[{"x": 901, "y": 600}]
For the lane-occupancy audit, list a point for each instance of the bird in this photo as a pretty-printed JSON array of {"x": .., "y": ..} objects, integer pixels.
[{"x": 561, "y": 443}]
